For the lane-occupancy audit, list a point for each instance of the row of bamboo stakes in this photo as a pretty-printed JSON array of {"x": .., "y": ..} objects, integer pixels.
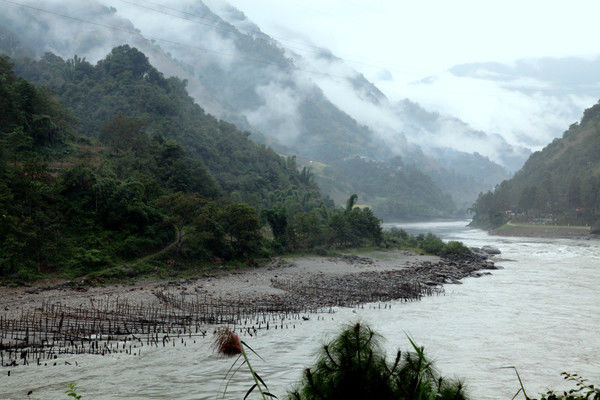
[{"x": 112, "y": 326}]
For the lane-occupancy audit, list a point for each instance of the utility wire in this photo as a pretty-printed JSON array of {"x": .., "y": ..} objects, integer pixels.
[
  {"x": 172, "y": 42},
  {"x": 225, "y": 26},
  {"x": 219, "y": 23}
]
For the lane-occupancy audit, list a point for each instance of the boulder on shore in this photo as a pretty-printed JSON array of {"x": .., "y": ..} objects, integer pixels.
[{"x": 491, "y": 250}]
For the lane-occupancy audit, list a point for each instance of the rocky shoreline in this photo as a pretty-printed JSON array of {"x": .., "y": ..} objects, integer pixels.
[
  {"x": 286, "y": 283},
  {"x": 409, "y": 283},
  {"x": 39, "y": 323},
  {"x": 543, "y": 231}
]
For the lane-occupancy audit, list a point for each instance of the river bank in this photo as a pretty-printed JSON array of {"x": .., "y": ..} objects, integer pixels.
[
  {"x": 471, "y": 331},
  {"x": 40, "y": 322},
  {"x": 542, "y": 231},
  {"x": 307, "y": 282}
]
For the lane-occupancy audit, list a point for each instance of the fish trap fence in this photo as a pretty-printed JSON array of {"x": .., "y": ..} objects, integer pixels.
[{"x": 105, "y": 327}]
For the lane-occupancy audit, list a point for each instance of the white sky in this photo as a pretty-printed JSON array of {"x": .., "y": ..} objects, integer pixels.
[
  {"x": 414, "y": 39},
  {"x": 421, "y": 38}
]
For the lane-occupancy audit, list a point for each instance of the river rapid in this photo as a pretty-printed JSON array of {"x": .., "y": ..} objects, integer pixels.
[{"x": 541, "y": 314}]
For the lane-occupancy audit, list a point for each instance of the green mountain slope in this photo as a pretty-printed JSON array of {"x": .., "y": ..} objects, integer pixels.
[
  {"x": 282, "y": 109},
  {"x": 134, "y": 194},
  {"x": 560, "y": 184},
  {"x": 393, "y": 190},
  {"x": 125, "y": 82},
  {"x": 154, "y": 185}
]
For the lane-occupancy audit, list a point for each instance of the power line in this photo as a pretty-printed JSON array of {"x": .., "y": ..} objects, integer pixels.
[
  {"x": 172, "y": 42},
  {"x": 220, "y": 24},
  {"x": 335, "y": 77},
  {"x": 222, "y": 27}
]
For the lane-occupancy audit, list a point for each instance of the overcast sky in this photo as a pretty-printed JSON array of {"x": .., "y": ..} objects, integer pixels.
[
  {"x": 417, "y": 38},
  {"x": 398, "y": 43}
]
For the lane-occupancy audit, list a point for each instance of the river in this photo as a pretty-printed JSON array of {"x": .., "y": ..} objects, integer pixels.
[{"x": 541, "y": 314}]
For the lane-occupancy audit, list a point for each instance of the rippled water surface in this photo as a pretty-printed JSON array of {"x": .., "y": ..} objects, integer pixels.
[{"x": 541, "y": 314}]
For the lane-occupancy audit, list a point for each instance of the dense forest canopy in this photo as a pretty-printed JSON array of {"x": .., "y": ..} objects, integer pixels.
[
  {"x": 125, "y": 175},
  {"x": 125, "y": 82},
  {"x": 393, "y": 189},
  {"x": 558, "y": 185},
  {"x": 326, "y": 134}
]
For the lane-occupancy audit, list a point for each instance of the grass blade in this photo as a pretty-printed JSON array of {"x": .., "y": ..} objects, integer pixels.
[{"x": 249, "y": 391}]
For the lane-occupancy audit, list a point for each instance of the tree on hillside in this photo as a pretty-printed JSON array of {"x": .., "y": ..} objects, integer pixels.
[
  {"x": 351, "y": 202},
  {"x": 574, "y": 192},
  {"x": 242, "y": 229},
  {"x": 123, "y": 97},
  {"x": 124, "y": 134},
  {"x": 277, "y": 219},
  {"x": 182, "y": 209},
  {"x": 528, "y": 198}
]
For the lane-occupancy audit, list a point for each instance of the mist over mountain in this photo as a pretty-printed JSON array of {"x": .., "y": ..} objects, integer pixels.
[
  {"x": 313, "y": 104},
  {"x": 541, "y": 96},
  {"x": 559, "y": 184}
]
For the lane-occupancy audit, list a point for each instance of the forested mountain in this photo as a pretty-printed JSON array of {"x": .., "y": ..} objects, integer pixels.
[
  {"x": 311, "y": 105},
  {"x": 255, "y": 87},
  {"x": 560, "y": 184},
  {"x": 131, "y": 177},
  {"x": 393, "y": 189},
  {"x": 61, "y": 203},
  {"x": 125, "y": 82},
  {"x": 127, "y": 187}
]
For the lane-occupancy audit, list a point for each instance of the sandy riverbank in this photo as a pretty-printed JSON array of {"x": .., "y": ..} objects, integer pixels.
[
  {"x": 310, "y": 281},
  {"x": 542, "y": 231}
]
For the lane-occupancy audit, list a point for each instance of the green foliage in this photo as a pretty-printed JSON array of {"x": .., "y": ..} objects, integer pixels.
[
  {"x": 83, "y": 206},
  {"x": 455, "y": 248},
  {"x": 582, "y": 390},
  {"x": 155, "y": 178},
  {"x": 278, "y": 221},
  {"x": 123, "y": 96},
  {"x": 354, "y": 366},
  {"x": 428, "y": 244},
  {"x": 558, "y": 185},
  {"x": 399, "y": 238},
  {"x": 338, "y": 228},
  {"x": 72, "y": 391},
  {"x": 242, "y": 230},
  {"x": 206, "y": 230},
  {"x": 392, "y": 189},
  {"x": 351, "y": 202},
  {"x": 124, "y": 134},
  {"x": 31, "y": 120}
]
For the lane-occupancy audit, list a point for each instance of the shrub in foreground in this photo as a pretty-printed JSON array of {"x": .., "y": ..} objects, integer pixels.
[
  {"x": 583, "y": 390},
  {"x": 354, "y": 366}
]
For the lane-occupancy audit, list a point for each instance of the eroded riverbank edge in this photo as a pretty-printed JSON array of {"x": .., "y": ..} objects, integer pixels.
[
  {"x": 306, "y": 282},
  {"x": 544, "y": 231}
]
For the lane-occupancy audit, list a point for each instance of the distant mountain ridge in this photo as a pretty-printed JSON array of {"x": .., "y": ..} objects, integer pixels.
[
  {"x": 560, "y": 184},
  {"x": 280, "y": 99}
]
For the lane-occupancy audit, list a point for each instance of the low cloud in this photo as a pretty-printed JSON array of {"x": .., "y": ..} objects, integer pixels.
[
  {"x": 518, "y": 106},
  {"x": 279, "y": 114},
  {"x": 525, "y": 111}
]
